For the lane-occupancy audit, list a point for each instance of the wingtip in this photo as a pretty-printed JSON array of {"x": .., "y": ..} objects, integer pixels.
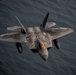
[{"x": 71, "y": 30}]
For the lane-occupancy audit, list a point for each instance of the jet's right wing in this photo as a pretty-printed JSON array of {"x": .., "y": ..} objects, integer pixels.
[{"x": 59, "y": 32}]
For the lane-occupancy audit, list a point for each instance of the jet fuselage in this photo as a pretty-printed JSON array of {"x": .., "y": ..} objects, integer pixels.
[{"x": 37, "y": 39}]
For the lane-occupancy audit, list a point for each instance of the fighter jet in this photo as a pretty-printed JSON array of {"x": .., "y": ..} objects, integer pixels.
[{"x": 39, "y": 39}]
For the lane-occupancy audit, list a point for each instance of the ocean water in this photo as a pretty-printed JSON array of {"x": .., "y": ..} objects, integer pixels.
[{"x": 32, "y": 13}]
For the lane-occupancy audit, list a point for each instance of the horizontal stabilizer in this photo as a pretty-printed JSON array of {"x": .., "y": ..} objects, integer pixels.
[
  {"x": 14, "y": 28},
  {"x": 50, "y": 24}
]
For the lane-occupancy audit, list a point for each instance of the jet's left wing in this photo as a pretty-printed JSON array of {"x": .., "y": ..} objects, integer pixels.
[
  {"x": 13, "y": 37},
  {"x": 59, "y": 32}
]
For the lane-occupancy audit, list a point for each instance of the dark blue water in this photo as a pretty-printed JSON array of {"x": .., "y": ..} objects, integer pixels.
[{"x": 31, "y": 13}]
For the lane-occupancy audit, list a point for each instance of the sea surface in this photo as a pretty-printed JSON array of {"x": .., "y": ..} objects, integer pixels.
[{"x": 32, "y": 13}]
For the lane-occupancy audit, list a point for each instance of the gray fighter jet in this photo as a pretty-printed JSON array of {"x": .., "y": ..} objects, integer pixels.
[{"x": 38, "y": 39}]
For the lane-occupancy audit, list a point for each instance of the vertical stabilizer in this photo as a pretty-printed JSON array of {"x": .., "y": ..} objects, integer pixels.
[
  {"x": 44, "y": 21},
  {"x": 23, "y": 28}
]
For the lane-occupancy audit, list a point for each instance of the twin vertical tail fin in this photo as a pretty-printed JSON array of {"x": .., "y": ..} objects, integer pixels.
[
  {"x": 23, "y": 30},
  {"x": 44, "y": 21},
  {"x": 42, "y": 25}
]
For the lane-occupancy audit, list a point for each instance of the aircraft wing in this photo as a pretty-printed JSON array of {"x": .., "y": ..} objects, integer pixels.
[
  {"x": 59, "y": 32},
  {"x": 13, "y": 37}
]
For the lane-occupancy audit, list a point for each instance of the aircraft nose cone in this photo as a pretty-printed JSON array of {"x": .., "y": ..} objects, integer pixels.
[{"x": 45, "y": 57}]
